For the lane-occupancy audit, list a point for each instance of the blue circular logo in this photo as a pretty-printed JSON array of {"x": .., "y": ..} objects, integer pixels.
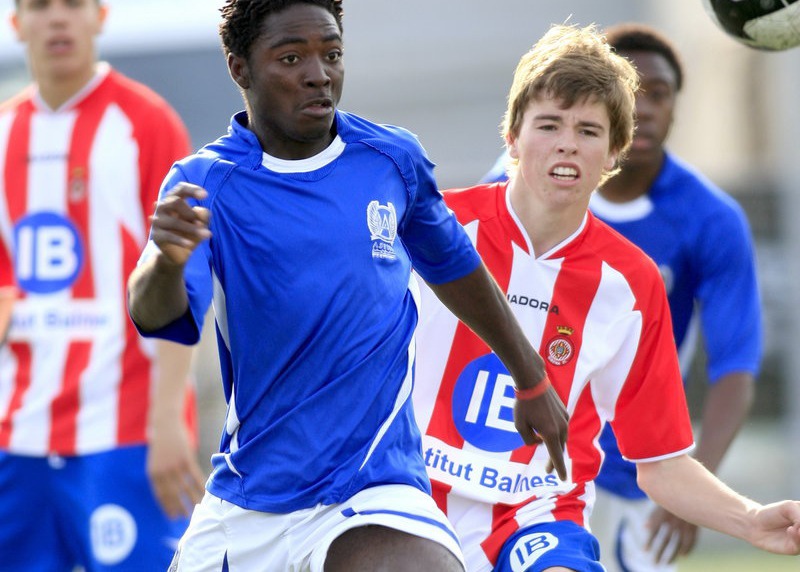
[
  {"x": 48, "y": 253},
  {"x": 483, "y": 405}
]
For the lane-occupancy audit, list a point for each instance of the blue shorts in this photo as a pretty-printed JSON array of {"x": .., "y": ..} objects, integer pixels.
[
  {"x": 96, "y": 511},
  {"x": 542, "y": 546}
]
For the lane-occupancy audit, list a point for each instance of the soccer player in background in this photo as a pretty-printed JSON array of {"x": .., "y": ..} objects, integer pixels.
[
  {"x": 302, "y": 224},
  {"x": 87, "y": 406},
  {"x": 700, "y": 240},
  {"x": 595, "y": 306}
]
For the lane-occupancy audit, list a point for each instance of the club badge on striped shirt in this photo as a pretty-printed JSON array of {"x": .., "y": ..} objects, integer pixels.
[{"x": 560, "y": 348}]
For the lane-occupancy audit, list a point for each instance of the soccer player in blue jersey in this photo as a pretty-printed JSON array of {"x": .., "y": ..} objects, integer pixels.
[
  {"x": 699, "y": 238},
  {"x": 302, "y": 225}
]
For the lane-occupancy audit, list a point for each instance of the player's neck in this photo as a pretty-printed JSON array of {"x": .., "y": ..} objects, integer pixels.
[
  {"x": 631, "y": 182},
  {"x": 546, "y": 224},
  {"x": 55, "y": 91}
]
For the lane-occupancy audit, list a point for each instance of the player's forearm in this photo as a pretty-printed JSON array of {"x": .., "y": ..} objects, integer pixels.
[
  {"x": 727, "y": 405},
  {"x": 157, "y": 293},
  {"x": 688, "y": 490},
  {"x": 478, "y": 301},
  {"x": 173, "y": 367}
]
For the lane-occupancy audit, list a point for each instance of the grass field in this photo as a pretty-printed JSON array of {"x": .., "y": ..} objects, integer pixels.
[{"x": 739, "y": 561}]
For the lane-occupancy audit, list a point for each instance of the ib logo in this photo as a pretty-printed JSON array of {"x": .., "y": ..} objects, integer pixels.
[
  {"x": 49, "y": 252},
  {"x": 529, "y": 548},
  {"x": 113, "y": 533},
  {"x": 483, "y": 405}
]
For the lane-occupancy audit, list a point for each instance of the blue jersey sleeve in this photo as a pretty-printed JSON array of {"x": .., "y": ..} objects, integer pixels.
[
  {"x": 197, "y": 276},
  {"x": 728, "y": 295},
  {"x": 440, "y": 248}
]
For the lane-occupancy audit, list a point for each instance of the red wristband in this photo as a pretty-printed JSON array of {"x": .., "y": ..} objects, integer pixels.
[{"x": 533, "y": 392}]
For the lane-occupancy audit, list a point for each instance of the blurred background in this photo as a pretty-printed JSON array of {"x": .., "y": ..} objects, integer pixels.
[{"x": 442, "y": 68}]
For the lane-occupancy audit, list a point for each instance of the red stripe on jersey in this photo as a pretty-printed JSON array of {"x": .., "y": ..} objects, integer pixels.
[
  {"x": 190, "y": 414},
  {"x": 64, "y": 409},
  {"x": 15, "y": 178},
  {"x": 441, "y": 424},
  {"x": 497, "y": 255},
  {"x": 16, "y": 168},
  {"x": 573, "y": 294},
  {"x": 439, "y": 493},
  {"x": 585, "y": 423},
  {"x": 504, "y": 525},
  {"x": 22, "y": 381},
  {"x": 134, "y": 390},
  {"x": 583, "y": 427},
  {"x": 78, "y": 180}
]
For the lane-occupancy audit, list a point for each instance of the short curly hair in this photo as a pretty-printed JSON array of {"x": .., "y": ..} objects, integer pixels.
[
  {"x": 637, "y": 37},
  {"x": 242, "y": 20}
]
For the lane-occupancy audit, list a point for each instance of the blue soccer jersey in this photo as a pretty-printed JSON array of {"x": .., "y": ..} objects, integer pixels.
[
  {"x": 700, "y": 239},
  {"x": 309, "y": 269}
]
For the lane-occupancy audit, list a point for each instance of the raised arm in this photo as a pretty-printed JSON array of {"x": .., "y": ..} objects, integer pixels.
[
  {"x": 478, "y": 301},
  {"x": 156, "y": 290}
]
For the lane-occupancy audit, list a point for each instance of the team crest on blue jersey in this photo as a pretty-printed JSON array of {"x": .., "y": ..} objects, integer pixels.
[
  {"x": 560, "y": 349},
  {"x": 382, "y": 224}
]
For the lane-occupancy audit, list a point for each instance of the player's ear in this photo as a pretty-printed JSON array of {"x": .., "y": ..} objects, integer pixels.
[
  {"x": 239, "y": 70},
  {"x": 14, "y": 21},
  {"x": 102, "y": 14},
  {"x": 511, "y": 145},
  {"x": 611, "y": 161}
]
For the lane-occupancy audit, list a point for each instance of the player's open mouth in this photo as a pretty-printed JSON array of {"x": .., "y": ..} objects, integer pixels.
[
  {"x": 318, "y": 107},
  {"x": 564, "y": 173}
]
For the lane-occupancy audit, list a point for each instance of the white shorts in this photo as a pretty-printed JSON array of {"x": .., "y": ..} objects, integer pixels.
[
  {"x": 620, "y": 525},
  {"x": 253, "y": 541}
]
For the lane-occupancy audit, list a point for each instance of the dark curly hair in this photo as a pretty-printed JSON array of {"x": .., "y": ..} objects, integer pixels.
[
  {"x": 636, "y": 37},
  {"x": 242, "y": 20}
]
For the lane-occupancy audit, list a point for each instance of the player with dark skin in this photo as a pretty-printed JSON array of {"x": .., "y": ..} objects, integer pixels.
[
  {"x": 290, "y": 72},
  {"x": 729, "y": 399}
]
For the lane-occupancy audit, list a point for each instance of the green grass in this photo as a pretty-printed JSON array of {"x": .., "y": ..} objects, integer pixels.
[{"x": 739, "y": 561}]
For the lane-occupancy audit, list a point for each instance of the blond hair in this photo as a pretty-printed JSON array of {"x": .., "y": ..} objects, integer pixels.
[{"x": 572, "y": 64}]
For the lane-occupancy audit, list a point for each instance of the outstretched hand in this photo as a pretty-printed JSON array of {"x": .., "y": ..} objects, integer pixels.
[
  {"x": 177, "y": 227},
  {"x": 777, "y": 527},
  {"x": 544, "y": 420}
]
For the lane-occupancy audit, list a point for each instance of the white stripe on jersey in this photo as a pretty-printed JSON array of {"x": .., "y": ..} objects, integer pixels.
[
  {"x": 404, "y": 393},
  {"x": 47, "y": 168},
  {"x": 609, "y": 375}
]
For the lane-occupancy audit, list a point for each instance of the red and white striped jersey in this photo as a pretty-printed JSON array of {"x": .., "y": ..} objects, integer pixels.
[
  {"x": 596, "y": 309},
  {"x": 76, "y": 186}
]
